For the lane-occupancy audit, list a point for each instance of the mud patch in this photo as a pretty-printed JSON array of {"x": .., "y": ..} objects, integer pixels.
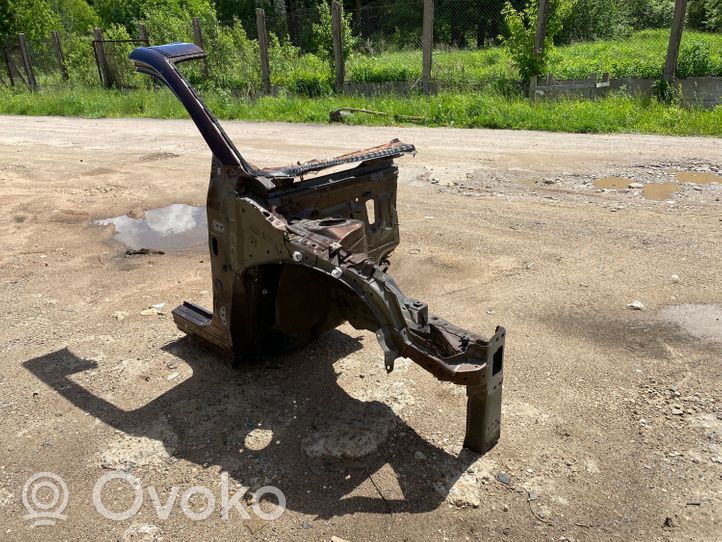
[
  {"x": 660, "y": 191},
  {"x": 175, "y": 227},
  {"x": 703, "y": 321},
  {"x": 699, "y": 177},
  {"x": 613, "y": 183}
]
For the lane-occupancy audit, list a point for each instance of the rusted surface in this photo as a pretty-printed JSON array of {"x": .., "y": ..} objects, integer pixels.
[{"x": 292, "y": 258}]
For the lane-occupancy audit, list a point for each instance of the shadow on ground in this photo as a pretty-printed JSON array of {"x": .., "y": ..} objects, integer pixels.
[{"x": 208, "y": 419}]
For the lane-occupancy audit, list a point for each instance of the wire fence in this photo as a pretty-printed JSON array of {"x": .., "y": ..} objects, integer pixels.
[{"x": 383, "y": 43}]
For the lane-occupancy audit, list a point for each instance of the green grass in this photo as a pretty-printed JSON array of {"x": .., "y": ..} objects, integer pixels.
[
  {"x": 471, "y": 110},
  {"x": 641, "y": 55}
]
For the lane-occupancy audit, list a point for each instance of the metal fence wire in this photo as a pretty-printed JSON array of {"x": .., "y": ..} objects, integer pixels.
[{"x": 383, "y": 46}]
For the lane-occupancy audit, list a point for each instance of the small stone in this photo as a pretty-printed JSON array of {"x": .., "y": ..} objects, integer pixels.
[
  {"x": 670, "y": 523},
  {"x": 338, "y": 539},
  {"x": 306, "y": 525},
  {"x": 532, "y": 495},
  {"x": 419, "y": 456},
  {"x": 158, "y": 306},
  {"x": 549, "y": 181},
  {"x": 149, "y": 312},
  {"x": 172, "y": 365},
  {"x": 505, "y": 507},
  {"x": 504, "y": 478},
  {"x": 677, "y": 410},
  {"x": 172, "y": 376},
  {"x": 636, "y": 305},
  {"x": 636, "y": 185},
  {"x": 674, "y": 278}
]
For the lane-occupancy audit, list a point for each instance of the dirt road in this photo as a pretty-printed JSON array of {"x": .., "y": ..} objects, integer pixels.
[{"x": 612, "y": 420}]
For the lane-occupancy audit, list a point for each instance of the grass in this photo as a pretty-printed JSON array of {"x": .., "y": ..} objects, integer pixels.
[
  {"x": 641, "y": 55},
  {"x": 471, "y": 110}
]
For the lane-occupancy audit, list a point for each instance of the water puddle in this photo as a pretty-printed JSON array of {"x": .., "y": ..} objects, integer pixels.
[
  {"x": 660, "y": 191},
  {"x": 616, "y": 183},
  {"x": 703, "y": 321},
  {"x": 175, "y": 227},
  {"x": 664, "y": 190},
  {"x": 699, "y": 177}
]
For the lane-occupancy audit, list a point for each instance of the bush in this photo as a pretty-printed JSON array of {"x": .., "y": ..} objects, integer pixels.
[
  {"x": 323, "y": 37},
  {"x": 695, "y": 61},
  {"x": 522, "y": 33},
  {"x": 594, "y": 19},
  {"x": 80, "y": 60}
]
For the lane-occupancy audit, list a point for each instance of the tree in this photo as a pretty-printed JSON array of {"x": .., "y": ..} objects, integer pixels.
[
  {"x": 522, "y": 34},
  {"x": 34, "y": 17}
]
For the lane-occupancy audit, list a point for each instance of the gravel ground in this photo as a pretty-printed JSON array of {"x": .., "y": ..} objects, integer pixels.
[{"x": 612, "y": 418}]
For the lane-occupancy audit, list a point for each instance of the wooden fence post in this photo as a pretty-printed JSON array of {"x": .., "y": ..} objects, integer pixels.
[
  {"x": 9, "y": 66},
  {"x": 337, "y": 32},
  {"x": 263, "y": 47},
  {"x": 100, "y": 59},
  {"x": 427, "y": 43},
  {"x": 675, "y": 37},
  {"x": 59, "y": 54},
  {"x": 143, "y": 34},
  {"x": 32, "y": 83},
  {"x": 198, "y": 40}
]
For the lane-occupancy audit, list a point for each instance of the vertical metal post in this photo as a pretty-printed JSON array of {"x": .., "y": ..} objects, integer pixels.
[
  {"x": 675, "y": 37},
  {"x": 32, "y": 83},
  {"x": 59, "y": 54},
  {"x": 337, "y": 32},
  {"x": 100, "y": 58},
  {"x": 263, "y": 48},
  {"x": 427, "y": 44},
  {"x": 198, "y": 40}
]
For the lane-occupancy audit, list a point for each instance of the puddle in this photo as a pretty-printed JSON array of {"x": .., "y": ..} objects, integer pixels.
[
  {"x": 175, "y": 227},
  {"x": 613, "y": 182},
  {"x": 660, "y": 191},
  {"x": 701, "y": 321},
  {"x": 699, "y": 177}
]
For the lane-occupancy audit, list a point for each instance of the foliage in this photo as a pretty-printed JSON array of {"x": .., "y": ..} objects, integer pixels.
[
  {"x": 617, "y": 113},
  {"x": 640, "y": 55},
  {"x": 76, "y": 16},
  {"x": 34, "y": 17},
  {"x": 650, "y": 13},
  {"x": 595, "y": 19},
  {"x": 323, "y": 36},
  {"x": 713, "y": 15},
  {"x": 695, "y": 60},
  {"x": 80, "y": 61},
  {"x": 521, "y": 25},
  {"x": 121, "y": 72}
]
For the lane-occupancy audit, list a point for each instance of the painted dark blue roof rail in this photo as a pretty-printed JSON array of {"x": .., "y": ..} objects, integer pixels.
[{"x": 159, "y": 61}]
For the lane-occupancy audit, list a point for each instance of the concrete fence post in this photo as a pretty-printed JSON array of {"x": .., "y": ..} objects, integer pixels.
[
  {"x": 675, "y": 37},
  {"x": 427, "y": 44}
]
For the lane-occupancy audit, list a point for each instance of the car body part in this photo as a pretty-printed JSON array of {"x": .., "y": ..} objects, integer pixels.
[{"x": 292, "y": 258}]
